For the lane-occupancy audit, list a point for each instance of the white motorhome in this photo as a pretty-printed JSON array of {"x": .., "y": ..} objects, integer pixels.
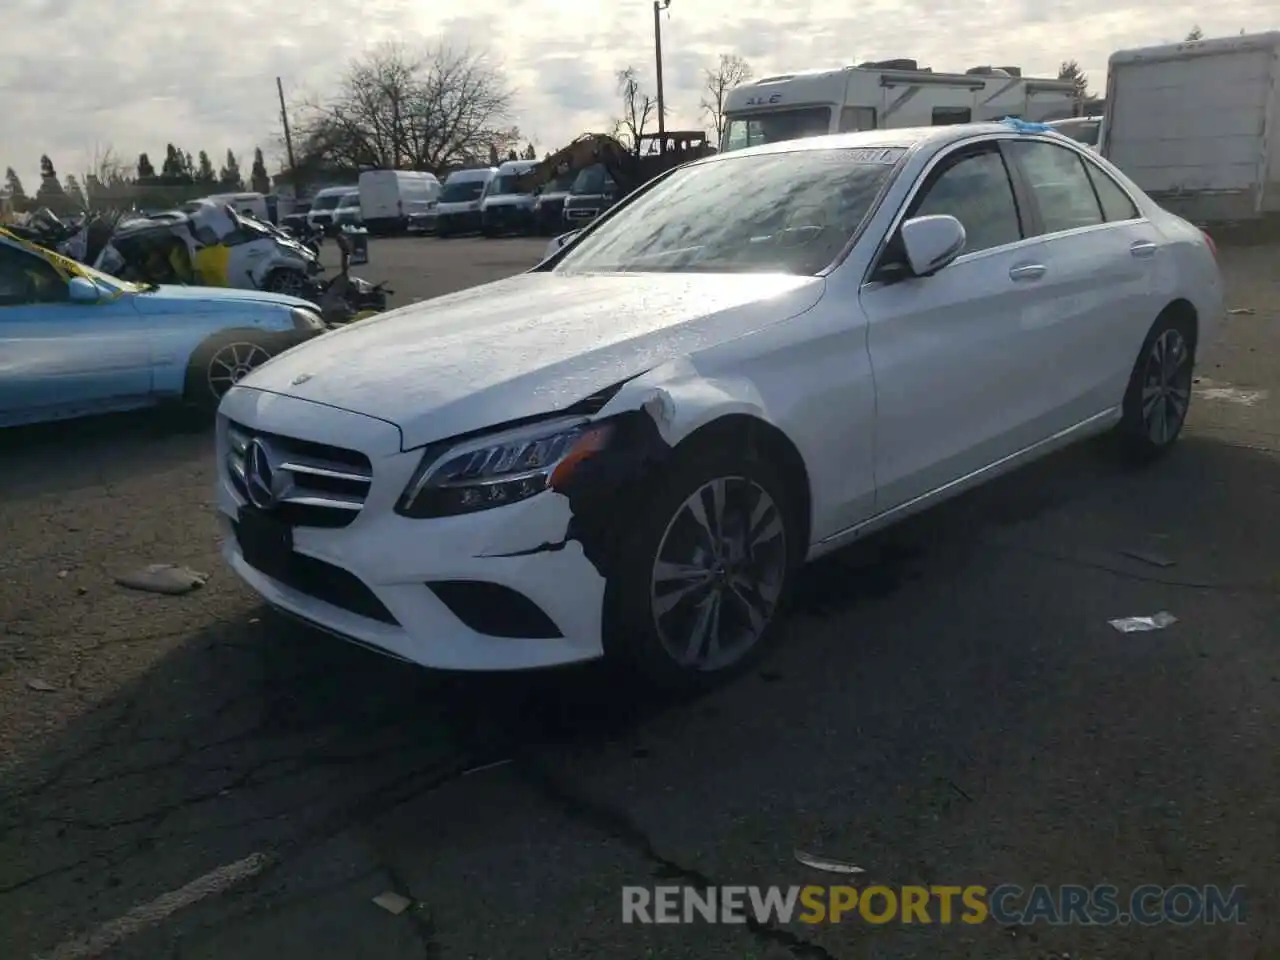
[
  {"x": 1197, "y": 125},
  {"x": 886, "y": 94},
  {"x": 388, "y": 198}
]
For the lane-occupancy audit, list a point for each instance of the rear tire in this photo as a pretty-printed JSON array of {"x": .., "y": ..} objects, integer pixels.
[
  {"x": 1158, "y": 397},
  {"x": 220, "y": 363},
  {"x": 695, "y": 600}
]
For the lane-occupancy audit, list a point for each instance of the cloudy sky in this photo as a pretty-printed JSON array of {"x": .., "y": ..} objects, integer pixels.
[{"x": 78, "y": 76}]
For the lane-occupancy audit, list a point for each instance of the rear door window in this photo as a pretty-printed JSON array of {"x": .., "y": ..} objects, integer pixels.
[
  {"x": 1062, "y": 188},
  {"x": 1116, "y": 205}
]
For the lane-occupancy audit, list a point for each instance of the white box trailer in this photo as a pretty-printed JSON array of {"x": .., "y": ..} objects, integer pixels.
[{"x": 1197, "y": 125}]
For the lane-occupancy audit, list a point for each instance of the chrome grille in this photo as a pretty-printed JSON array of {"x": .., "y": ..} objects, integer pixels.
[{"x": 308, "y": 484}]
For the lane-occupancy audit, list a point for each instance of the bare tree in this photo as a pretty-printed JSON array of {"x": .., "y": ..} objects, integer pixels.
[
  {"x": 638, "y": 108},
  {"x": 732, "y": 71},
  {"x": 396, "y": 109}
]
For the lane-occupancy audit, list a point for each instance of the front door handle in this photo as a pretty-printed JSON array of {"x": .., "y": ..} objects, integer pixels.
[
  {"x": 1028, "y": 271},
  {"x": 1143, "y": 248}
]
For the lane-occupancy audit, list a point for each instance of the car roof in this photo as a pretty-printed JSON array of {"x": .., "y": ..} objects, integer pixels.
[{"x": 904, "y": 138}]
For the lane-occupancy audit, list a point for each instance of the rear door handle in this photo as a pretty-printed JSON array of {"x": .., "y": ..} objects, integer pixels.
[
  {"x": 1028, "y": 271},
  {"x": 1143, "y": 248}
]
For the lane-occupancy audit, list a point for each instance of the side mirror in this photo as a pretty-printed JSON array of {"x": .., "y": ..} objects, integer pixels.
[
  {"x": 82, "y": 290},
  {"x": 932, "y": 242},
  {"x": 565, "y": 239}
]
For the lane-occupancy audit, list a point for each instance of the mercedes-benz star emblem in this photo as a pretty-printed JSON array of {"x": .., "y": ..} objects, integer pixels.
[{"x": 259, "y": 476}]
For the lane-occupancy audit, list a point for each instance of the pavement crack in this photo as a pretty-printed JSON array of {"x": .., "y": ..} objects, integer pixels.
[
  {"x": 1261, "y": 587},
  {"x": 422, "y": 922},
  {"x": 618, "y": 825}
]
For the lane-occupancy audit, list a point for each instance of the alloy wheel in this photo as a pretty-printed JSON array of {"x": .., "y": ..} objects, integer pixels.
[
  {"x": 1166, "y": 387},
  {"x": 288, "y": 282},
  {"x": 232, "y": 363},
  {"x": 718, "y": 573}
]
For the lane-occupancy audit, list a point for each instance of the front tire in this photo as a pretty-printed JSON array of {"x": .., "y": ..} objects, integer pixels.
[
  {"x": 1159, "y": 392},
  {"x": 218, "y": 365},
  {"x": 704, "y": 573}
]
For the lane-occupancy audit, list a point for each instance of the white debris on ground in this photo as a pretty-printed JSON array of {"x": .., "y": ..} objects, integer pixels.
[
  {"x": 393, "y": 902},
  {"x": 164, "y": 578},
  {"x": 1157, "y": 621}
]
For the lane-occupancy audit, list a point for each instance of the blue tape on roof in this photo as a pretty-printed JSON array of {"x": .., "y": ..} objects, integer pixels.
[{"x": 1023, "y": 126}]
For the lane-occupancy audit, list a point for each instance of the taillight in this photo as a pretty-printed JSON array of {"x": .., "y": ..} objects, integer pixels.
[{"x": 1213, "y": 247}]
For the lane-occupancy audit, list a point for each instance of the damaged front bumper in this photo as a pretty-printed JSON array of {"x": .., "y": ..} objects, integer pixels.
[{"x": 500, "y": 589}]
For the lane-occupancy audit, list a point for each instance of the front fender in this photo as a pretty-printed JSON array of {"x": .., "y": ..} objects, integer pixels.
[{"x": 681, "y": 401}]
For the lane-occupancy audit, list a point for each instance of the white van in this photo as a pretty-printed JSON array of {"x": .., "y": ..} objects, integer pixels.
[
  {"x": 503, "y": 209},
  {"x": 459, "y": 208},
  {"x": 389, "y": 197},
  {"x": 323, "y": 206},
  {"x": 254, "y": 204}
]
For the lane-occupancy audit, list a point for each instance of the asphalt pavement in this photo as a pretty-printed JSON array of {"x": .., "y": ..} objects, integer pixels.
[{"x": 190, "y": 777}]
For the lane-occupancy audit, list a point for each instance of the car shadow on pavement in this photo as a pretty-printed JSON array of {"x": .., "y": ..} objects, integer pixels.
[
  {"x": 937, "y": 686},
  {"x": 56, "y": 458}
]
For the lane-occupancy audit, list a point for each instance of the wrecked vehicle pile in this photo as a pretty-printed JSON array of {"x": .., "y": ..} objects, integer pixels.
[{"x": 212, "y": 245}]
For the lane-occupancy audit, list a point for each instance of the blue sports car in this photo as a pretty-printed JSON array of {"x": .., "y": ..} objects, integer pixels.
[{"x": 74, "y": 341}]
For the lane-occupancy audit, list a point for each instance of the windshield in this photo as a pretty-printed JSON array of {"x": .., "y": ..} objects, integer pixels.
[
  {"x": 561, "y": 184},
  {"x": 350, "y": 200},
  {"x": 1081, "y": 131},
  {"x": 594, "y": 179},
  {"x": 502, "y": 185},
  {"x": 801, "y": 210},
  {"x": 460, "y": 191},
  {"x": 328, "y": 202},
  {"x": 743, "y": 131}
]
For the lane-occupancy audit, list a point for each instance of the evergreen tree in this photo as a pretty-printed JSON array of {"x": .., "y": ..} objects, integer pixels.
[
  {"x": 74, "y": 194},
  {"x": 1070, "y": 70},
  {"x": 145, "y": 170},
  {"x": 204, "y": 172},
  {"x": 229, "y": 177},
  {"x": 50, "y": 194},
  {"x": 260, "y": 180},
  {"x": 171, "y": 169},
  {"x": 12, "y": 181}
]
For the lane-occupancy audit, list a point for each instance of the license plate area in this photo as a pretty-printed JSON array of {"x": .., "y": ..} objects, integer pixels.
[{"x": 265, "y": 541}]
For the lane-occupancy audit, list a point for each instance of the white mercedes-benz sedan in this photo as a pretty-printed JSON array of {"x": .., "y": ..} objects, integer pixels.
[{"x": 631, "y": 449}]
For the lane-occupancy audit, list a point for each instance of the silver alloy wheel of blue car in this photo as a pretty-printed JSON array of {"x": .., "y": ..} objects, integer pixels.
[{"x": 231, "y": 363}]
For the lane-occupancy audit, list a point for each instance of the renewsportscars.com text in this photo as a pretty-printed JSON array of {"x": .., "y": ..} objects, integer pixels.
[{"x": 1007, "y": 904}]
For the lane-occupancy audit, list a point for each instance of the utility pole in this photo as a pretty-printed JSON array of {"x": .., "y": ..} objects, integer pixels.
[
  {"x": 658, "y": 7},
  {"x": 288, "y": 138}
]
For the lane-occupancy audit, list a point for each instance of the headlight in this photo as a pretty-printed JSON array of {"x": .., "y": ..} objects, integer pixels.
[
  {"x": 500, "y": 469},
  {"x": 304, "y": 319}
]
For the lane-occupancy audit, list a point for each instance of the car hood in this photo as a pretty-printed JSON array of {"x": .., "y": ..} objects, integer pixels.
[
  {"x": 524, "y": 346},
  {"x": 178, "y": 299}
]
